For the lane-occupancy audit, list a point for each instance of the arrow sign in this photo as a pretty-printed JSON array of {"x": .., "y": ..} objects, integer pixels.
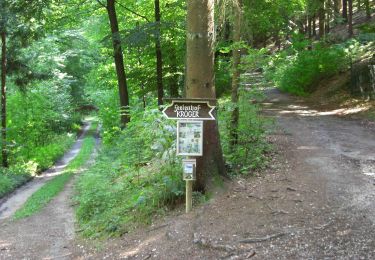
[{"x": 188, "y": 109}]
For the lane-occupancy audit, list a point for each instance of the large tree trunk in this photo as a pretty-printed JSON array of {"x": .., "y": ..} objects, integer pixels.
[
  {"x": 350, "y": 18},
  {"x": 321, "y": 14},
  {"x": 345, "y": 10},
  {"x": 159, "y": 61},
  {"x": 368, "y": 9},
  {"x": 200, "y": 76},
  {"x": 236, "y": 59},
  {"x": 4, "y": 150},
  {"x": 119, "y": 63}
]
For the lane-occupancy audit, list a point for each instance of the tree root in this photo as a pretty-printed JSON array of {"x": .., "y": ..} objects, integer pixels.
[{"x": 261, "y": 239}]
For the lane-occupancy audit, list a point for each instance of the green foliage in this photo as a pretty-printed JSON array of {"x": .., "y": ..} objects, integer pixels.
[
  {"x": 53, "y": 187},
  {"x": 136, "y": 176},
  {"x": 14, "y": 177},
  {"x": 251, "y": 151},
  {"x": 300, "y": 71}
]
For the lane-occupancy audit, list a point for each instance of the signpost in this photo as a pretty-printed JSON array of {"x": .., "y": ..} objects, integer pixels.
[{"x": 190, "y": 113}]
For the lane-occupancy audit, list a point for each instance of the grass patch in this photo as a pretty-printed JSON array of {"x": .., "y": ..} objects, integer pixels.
[{"x": 48, "y": 191}]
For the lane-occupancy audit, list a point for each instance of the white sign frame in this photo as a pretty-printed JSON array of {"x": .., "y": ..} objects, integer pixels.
[
  {"x": 197, "y": 136},
  {"x": 189, "y": 176}
]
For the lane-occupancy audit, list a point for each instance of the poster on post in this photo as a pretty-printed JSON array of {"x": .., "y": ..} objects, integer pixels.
[{"x": 190, "y": 138}]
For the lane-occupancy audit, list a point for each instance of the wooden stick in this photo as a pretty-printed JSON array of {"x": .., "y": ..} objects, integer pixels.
[{"x": 189, "y": 196}]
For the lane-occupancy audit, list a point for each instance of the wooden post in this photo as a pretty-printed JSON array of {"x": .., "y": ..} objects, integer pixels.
[{"x": 189, "y": 196}]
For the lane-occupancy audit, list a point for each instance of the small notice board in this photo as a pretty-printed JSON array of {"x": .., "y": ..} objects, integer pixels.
[{"x": 190, "y": 138}]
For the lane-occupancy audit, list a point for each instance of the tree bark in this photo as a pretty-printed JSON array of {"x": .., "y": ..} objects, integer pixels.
[
  {"x": 4, "y": 150},
  {"x": 159, "y": 61},
  {"x": 321, "y": 14},
  {"x": 345, "y": 10},
  {"x": 236, "y": 59},
  {"x": 119, "y": 63},
  {"x": 200, "y": 83},
  {"x": 314, "y": 25},
  {"x": 350, "y": 18},
  {"x": 309, "y": 26}
]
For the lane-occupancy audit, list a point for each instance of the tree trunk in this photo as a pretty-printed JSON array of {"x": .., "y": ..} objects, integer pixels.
[
  {"x": 4, "y": 150},
  {"x": 200, "y": 83},
  {"x": 368, "y": 9},
  {"x": 119, "y": 63},
  {"x": 236, "y": 59},
  {"x": 159, "y": 61},
  {"x": 328, "y": 16},
  {"x": 336, "y": 9},
  {"x": 173, "y": 82},
  {"x": 350, "y": 18},
  {"x": 309, "y": 26},
  {"x": 321, "y": 14},
  {"x": 314, "y": 25},
  {"x": 345, "y": 10}
]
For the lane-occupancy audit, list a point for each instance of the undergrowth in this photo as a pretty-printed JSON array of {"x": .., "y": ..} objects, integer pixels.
[
  {"x": 251, "y": 151},
  {"x": 136, "y": 177}
]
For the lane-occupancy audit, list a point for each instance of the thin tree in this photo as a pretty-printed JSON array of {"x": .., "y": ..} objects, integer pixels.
[
  {"x": 350, "y": 18},
  {"x": 336, "y": 10},
  {"x": 3, "y": 36},
  {"x": 119, "y": 62},
  {"x": 159, "y": 61},
  {"x": 368, "y": 9},
  {"x": 200, "y": 40},
  {"x": 236, "y": 59},
  {"x": 4, "y": 151},
  {"x": 321, "y": 16},
  {"x": 345, "y": 10}
]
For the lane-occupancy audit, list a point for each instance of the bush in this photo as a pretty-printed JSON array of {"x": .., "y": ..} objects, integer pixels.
[
  {"x": 299, "y": 73},
  {"x": 135, "y": 177},
  {"x": 251, "y": 151},
  {"x": 14, "y": 176}
]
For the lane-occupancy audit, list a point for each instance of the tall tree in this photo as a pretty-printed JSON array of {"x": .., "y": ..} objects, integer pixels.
[
  {"x": 159, "y": 61},
  {"x": 200, "y": 75},
  {"x": 368, "y": 9},
  {"x": 350, "y": 18},
  {"x": 3, "y": 35},
  {"x": 119, "y": 62},
  {"x": 4, "y": 151},
  {"x": 321, "y": 15},
  {"x": 236, "y": 59}
]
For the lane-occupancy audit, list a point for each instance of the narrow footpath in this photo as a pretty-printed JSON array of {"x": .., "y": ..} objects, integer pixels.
[{"x": 49, "y": 233}]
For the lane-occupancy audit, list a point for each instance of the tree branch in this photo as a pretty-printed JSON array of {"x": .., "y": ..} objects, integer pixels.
[
  {"x": 133, "y": 12},
  {"x": 99, "y": 2}
]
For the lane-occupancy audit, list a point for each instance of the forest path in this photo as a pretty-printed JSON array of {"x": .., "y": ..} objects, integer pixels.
[
  {"x": 315, "y": 201},
  {"x": 49, "y": 233}
]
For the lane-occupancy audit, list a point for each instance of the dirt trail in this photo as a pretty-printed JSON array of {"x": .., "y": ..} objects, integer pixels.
[
  {"x": 14, "y": 201},
  {"x": 316, "y": 201},
  {"x": 48, "y": 234}
]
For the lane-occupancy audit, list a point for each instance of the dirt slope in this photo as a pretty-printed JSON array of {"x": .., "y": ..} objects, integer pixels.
[{"x": 317, "y": 200}]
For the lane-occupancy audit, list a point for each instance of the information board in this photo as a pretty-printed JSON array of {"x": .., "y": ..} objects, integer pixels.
[{"x": 190, "y": 138}]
